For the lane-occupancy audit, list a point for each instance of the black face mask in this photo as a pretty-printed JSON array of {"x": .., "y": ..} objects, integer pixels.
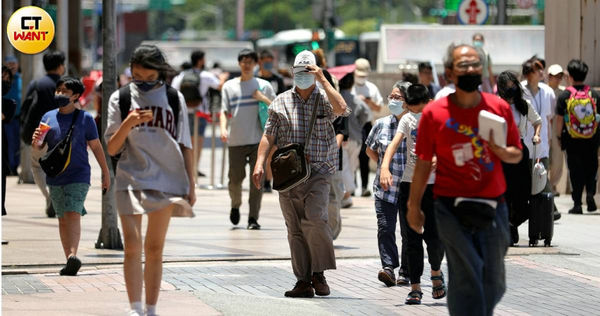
[
  {"x": 5, "y": 86},
  {"x": 61, "y": 100},
  {"x": 469, "y": 82}
]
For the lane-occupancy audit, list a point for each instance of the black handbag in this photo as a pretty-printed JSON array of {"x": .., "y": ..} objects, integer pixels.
[
  {"x": 57, "y": 159},
  {"x": 474, "y": 213},
  {"x": 289, "y": 164}
]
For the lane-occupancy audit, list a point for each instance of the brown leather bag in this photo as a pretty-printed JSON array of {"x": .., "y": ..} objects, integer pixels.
[{"x": 289, "y": 163}]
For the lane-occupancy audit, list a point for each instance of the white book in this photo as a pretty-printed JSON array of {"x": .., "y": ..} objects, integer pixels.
[{"x": 491, "y": 122}]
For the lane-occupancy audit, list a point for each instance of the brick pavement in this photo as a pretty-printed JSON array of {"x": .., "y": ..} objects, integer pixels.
[{"x": 256, "y": 287}]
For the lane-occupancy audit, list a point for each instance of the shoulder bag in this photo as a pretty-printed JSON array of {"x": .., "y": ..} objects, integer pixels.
[{"x": 56, "y": 160}]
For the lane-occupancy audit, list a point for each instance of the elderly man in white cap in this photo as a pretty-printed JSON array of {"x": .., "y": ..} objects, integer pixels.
[
  {"x": 304, "y": 207},
  {"x": 370, "y": 94},
  {"x": 555, "y": 77}
]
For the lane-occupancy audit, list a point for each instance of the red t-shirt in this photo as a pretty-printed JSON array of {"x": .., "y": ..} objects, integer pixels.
[{"x": 465, "y": 165}]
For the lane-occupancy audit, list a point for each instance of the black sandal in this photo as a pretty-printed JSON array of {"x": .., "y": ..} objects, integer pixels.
[
  {"x": 414, "y": 298},
  {"x": 438, "y": 288}
]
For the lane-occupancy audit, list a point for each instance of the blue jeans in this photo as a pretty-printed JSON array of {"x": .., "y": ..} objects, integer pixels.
[
  {"x": 477, "y": 277},
  {"x": 387, "y": 213}
]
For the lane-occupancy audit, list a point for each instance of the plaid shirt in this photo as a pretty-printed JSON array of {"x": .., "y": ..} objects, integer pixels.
[
  {"x": 289, "y": 119},
  {"x": 379, "y": 138}
]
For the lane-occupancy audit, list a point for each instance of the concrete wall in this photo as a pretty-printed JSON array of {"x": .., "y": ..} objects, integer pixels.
[{"x": 573, "y": 31}]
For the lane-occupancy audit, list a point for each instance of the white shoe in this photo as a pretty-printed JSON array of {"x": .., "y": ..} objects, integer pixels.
[
  {"x": 133, "y": 312},
  {"x": 347, "y": 203}
]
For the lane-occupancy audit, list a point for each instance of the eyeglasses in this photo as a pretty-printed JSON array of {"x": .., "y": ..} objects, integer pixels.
[
  {"x": 395, "y": 97},
  {"x": 464, "y": 66}
]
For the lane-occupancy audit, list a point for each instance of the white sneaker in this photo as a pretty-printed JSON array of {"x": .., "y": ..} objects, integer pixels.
[
  {"x": 133, "y": 312},
  {"x": 347, "y": 203}
]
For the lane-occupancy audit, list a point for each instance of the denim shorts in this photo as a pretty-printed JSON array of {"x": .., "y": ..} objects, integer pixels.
[{"x": 69, "y": 198}]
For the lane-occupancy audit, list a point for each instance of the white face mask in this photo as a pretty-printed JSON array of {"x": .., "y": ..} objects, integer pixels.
[
  {"x": 360, "y": 80},
  {"x": 303, "y": 80},
  {"x": 396, "y": 106}
]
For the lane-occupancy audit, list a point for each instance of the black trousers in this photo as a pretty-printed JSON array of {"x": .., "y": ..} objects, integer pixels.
[
  {"x": 582, "y": 160},
  {"x": 414, "y": 251},
  {"x": 518, "y": 188},
  {"x": 363, "y": 158}
]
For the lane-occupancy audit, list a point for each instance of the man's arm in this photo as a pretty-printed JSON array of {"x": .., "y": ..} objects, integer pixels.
[
  {"x": 335, "y": 98},
  {"x": 372, "y": 154},
  {"x": 223, "y": 125},
  {"x": 264, "y": 148},
  {"x": 96, "y": 148},
  {"x": 510, "y": 154}
]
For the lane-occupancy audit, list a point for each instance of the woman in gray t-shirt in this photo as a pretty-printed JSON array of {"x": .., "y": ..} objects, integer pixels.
[{"x": 154, "y": 173}]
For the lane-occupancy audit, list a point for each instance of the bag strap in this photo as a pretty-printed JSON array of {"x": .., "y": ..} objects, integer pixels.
[
  {"x": 312, "y": 122},
  {"x": 124, "y": 101},
  {"x": 75, "y": 115}
]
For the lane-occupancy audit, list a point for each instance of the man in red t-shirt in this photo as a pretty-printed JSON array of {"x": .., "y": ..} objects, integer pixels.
[{"x": 471, "y": 214}]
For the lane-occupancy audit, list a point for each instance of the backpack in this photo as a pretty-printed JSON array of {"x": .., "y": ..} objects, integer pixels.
[
  {"x": 28, "y": 124},
  {"x": 190, "y": 88},
  {"x": 125, "y": 101},
  {"x": 580, "y": 118},
  {"x": 57, "y": 159}
]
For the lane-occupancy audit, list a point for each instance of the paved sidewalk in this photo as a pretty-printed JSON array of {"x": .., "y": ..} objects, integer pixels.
[{"x": 208, "y": 257}]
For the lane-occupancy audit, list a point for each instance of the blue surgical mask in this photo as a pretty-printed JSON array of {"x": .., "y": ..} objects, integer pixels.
[
  {"x": 396, "y": 106},
  {"x": 146, "y": 85},
  {"x": 61, "y": 100},
  {"x": 303, "y": 80},
  {"x": 268, "y": 66},
  {"x": 478, "y": 43}
]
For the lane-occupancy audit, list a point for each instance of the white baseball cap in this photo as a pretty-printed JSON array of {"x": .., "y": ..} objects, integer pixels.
[
  {"x": 303, "y": 59},
  {"x": 555, "y": 69},
  {"x": 363, "y": 67}
]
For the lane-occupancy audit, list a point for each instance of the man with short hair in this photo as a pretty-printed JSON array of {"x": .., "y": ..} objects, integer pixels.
[
  {"x": 31, "y": 114},
  {"x": 426, "y": 79},
  {"x": 368, "y": 93},
  {"x": 579, "y": 136},
  {"x": 12, "y": 127},
  {"x": 304, "y": 207},
  {"x": 488, "y": 79},
  {"x": 239, "y": 98},
  {"x": 470, "y": 211},
  {"x": 555, "y": 77},
  {"x": 201, "y": 103}
]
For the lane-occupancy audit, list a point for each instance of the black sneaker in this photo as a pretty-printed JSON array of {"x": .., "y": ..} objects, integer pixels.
[
  {"x": 50, "y": 211},
  {"x": 576, "y": 210},
  {"x": 514, "y": 235},
  {"x": 72, "y": 267},
  {"x": 200, "y": 174},
  {"x": 591, "y": 204},
  {"x": 234, "y": 216},
  {"x": 253, "y": 224}
]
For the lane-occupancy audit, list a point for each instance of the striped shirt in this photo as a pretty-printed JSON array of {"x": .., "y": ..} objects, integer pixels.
[
  {"x": 237, "y": 100},
  {"x": 379, "y": 138},
  {"x": 289, "y": 119}
]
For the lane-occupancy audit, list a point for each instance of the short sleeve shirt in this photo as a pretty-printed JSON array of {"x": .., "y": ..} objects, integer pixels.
[
  {"x": 379, "y": 138},
  {"x": 466, "y": 167},
  {"x": 289, "y": 120},
  {"x": 409, "y": 127},
  {"x": 84, "y": 130},
  {"x": 543, "y": 103}
]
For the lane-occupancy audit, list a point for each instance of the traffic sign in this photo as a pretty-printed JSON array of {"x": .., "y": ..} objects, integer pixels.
[{"x": 473, "y": 12}]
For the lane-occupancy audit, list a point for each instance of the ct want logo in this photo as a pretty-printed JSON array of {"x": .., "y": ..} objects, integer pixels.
[{"x": 30, "y": 30}]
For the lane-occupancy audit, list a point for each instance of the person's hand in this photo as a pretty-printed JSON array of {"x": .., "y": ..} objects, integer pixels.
[
  {"x": 105, "y": 181},
  {"x": 36, "y": 137},
  {"x": 224, "y": 136},
  {"x": 433, "y": 163},
  {"x": 362, "y": 98},
  {"x": 191, "y": 196},
  {"x": 224, "y": 76},
  {"x": 385, "y": 179},
  {"x": 257, "y": 176},
  {"x": 492, "y": 145},
  {"x": 317, "y": 72},
  {"x": 415, "y": 217},
  {"x": 537, "y": 139},
  {"x": 138, "y": 117}
]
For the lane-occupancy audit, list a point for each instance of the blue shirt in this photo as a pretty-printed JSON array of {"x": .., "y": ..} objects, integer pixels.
[
  {"x": 85, "y": 130},
  {"x": 379, "y": 138}
]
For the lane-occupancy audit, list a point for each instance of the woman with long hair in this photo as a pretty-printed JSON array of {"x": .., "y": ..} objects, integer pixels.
[
  {"x": 518, "y": 176},
  {"x": 154, "y": 172}
]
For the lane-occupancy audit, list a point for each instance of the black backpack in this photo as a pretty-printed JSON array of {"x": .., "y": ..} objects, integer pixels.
[
  {"x": 190, "y": 87},
  {"x": 125, "y": 102},
  {"x": 28, "y": 123}
]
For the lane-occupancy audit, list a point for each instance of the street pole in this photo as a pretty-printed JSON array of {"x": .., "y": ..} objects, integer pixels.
[
  {"x": 109, "y": 237},
  {"x": 240, "y": 20},
  {"x": 501, "y": 12}
]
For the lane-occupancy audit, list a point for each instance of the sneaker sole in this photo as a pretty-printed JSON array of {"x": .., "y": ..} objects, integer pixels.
[
  {"x": 386, "y": 279},
  {"x": 322, "y": 293},
  {"x": 300, "y": 296}
]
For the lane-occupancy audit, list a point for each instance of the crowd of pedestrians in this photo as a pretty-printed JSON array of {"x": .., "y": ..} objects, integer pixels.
[{"x": 463, "y": 194}]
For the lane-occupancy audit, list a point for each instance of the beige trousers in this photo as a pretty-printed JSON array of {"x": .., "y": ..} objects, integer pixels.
[{"x": 304, "y": 209}]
